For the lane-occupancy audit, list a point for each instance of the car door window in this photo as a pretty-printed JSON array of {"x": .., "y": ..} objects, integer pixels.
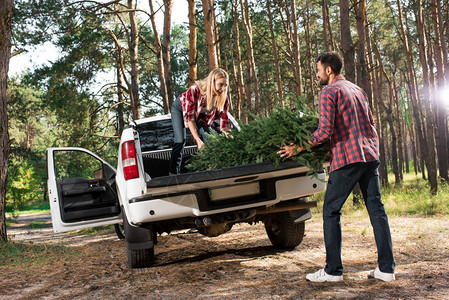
[{"x": 77, "y": 164}]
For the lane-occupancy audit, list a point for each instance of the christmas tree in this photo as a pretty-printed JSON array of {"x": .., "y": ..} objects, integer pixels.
[{"x": 259, "y": 140}]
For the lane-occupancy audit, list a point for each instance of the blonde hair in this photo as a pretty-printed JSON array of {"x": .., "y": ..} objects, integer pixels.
[{"x": 207, "y": 87}]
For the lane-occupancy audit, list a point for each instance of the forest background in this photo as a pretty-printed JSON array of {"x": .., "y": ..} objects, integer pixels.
[{"x": 115, "y": 65}]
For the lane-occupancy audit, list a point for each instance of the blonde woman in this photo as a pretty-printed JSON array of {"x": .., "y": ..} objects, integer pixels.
[{"x": 203, "y": 103}]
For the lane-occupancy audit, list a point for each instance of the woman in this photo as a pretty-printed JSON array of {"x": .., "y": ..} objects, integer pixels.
[{"x": 204, "y": 102}]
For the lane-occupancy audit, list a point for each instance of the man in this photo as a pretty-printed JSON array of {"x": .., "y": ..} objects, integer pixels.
[{"x": 346, "y": 119}]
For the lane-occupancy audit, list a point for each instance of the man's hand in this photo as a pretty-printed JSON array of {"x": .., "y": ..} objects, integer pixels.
[{"x": 290, "y": 150}]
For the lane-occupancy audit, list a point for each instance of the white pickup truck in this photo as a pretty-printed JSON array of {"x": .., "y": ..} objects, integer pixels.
[{"x": 142, "y": 200}]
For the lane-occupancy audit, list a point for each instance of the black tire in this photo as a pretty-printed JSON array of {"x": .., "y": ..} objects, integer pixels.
[
  {"x": 142, "y": 258},
  {"x": 139, "y": 237},
  {"x": 120, "y": 231},
  {"x": 283, "y": 232}
]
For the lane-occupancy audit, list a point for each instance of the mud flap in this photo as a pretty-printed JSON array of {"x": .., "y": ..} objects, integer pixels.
[{"x": 139, "y": 245}]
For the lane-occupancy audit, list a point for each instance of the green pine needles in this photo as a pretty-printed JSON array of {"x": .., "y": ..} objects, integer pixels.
[{"x": 259, "y": 140}]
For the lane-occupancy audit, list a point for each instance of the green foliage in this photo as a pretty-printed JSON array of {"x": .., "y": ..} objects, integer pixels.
[
  {"x": 72, "y": 164},
  {"x": 411, "y": 197},
  {"x": 259, "y": 140},
  {"x": 22, "y": 185},
  {"x": 36, "y": 207}
]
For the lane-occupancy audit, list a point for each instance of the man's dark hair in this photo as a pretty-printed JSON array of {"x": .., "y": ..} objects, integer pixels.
[{"x": 331, "y": 59}]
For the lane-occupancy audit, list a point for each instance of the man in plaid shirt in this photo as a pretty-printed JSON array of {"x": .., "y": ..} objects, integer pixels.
[{"x": 346, "y": 120}]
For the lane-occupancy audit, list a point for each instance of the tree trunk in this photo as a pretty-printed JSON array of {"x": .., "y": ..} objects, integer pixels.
[
  {"x": 399, "y": 130},
  {"x": 325, "y": 12},
  {"x": 361, "y": 29},
  {"x": 406, "y": 153},
  {"x": 426, "y": 146},
  {"x": 383, "y": 174},
  {"x": 239, "y": 76},
  {"x": 160, "y": 64},
  {"x": 133, "y": 53},
  {"x": 425, "y": 73},
  {"x": 216, "y": 37},
  {"x": 389, "y": 112},
  {"x": 120, "y": 120},
  {"x": 377, "y": 92},
  {"x": 193, "y": 53},
  {"x": 441, "y": 111},
  {"x": 166, "y": 45},
  {"x": 414, "y": 147},
  {"x": 250, "y": 57},
  {"x": 208, "y": 8},
  {"x": 363, "y": 76},
  {"x": 346, "y": 41},
  {"x": 311, "y": 60},
  {"x": 296, "y": 52},
  {"x": 6, "y": 11},
  {"x": 275, "y": 54}
]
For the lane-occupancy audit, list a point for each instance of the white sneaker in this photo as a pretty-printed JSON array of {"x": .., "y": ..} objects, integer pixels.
[
  {"x": 378, "y": 274},
  {"x": 322, "y": 276}
]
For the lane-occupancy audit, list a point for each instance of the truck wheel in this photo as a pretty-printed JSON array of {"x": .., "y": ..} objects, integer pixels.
[
  {"x": 120, "y": 231},
  {"x": 139, "y": 244},
  {"x": 283, "y": 232},
  {"x": 141, "y": 258}
]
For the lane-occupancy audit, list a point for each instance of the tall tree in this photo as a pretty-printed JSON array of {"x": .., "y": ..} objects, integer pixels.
[
  {"x": 134, "y": 53},
  {"x": 361, "y": 29},
  {"x": 441, "y": 111},
  {"x": 251, "y": 63},
  {"x": 310, "y": 58},
  {"x": 160, "y": 63},
  {"x": 193, "y": 53},
  {"x": 209, "y": 21},
  {"x": 427, "y": 145},
  {"x": 241, "y": 107},
  {"x": 325, "y": 10},
  {"x": 275, "y": 54},
  {"x": 6, "y": 12},
  {"x": 166, "y": 45},
  {"x": 346, "y": 41},
  {"x": 296, "y": 53}
]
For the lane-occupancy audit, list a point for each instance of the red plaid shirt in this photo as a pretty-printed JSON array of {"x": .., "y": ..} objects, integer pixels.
[
  {"x": 346, "y": 119},
  {"x": 192, "y": 103}
]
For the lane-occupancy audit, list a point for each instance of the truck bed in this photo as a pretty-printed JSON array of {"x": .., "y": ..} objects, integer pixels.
[
  {"x": 247, "y": 171},
  {"x": 243, "y": 176}
]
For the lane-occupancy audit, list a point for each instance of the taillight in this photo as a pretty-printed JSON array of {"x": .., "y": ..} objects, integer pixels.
[{"x": 129, "y": 160}]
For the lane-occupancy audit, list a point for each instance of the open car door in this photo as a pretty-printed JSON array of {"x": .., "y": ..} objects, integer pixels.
[{"x": 81, "y": 189}]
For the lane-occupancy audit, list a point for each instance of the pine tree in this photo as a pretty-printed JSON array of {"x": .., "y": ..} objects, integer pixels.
[{"x": 259, "y": 140}]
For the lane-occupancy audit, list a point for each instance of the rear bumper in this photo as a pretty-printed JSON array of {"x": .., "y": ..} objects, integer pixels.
[{"x": 196, "y": 202}]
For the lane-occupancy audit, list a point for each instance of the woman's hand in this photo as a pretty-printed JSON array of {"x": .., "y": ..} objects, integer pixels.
[
  {"x": 290, "y": 150},
  {"x": 199, "y": 144}
]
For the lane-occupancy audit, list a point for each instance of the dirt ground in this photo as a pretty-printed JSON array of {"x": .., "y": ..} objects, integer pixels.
[{"x": 240, "y": 264}]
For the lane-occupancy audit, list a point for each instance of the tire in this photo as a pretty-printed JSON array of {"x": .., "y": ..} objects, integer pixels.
[
  {"x": 283, "y": 232},
  {"x": 139, "y": 245},
  {"x": 120, "y": 231},
  {"x": 142, "y": 258}
]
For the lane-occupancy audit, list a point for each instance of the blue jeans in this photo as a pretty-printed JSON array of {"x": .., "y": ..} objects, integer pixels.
[
  {"x": 340, "y": 184},
  {"x": 179, "y": 131}
]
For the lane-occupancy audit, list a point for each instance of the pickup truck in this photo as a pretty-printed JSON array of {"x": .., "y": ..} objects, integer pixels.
[{"x": 142, "y": 200}]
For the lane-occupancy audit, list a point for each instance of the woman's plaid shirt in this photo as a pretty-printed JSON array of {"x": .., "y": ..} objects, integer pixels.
[
  {"x": 346, "y": 119},
  {"x": 192, "y": 101}
]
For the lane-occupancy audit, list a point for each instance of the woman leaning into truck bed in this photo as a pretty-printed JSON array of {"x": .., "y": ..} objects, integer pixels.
[{"x": 204, "y": 102}]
